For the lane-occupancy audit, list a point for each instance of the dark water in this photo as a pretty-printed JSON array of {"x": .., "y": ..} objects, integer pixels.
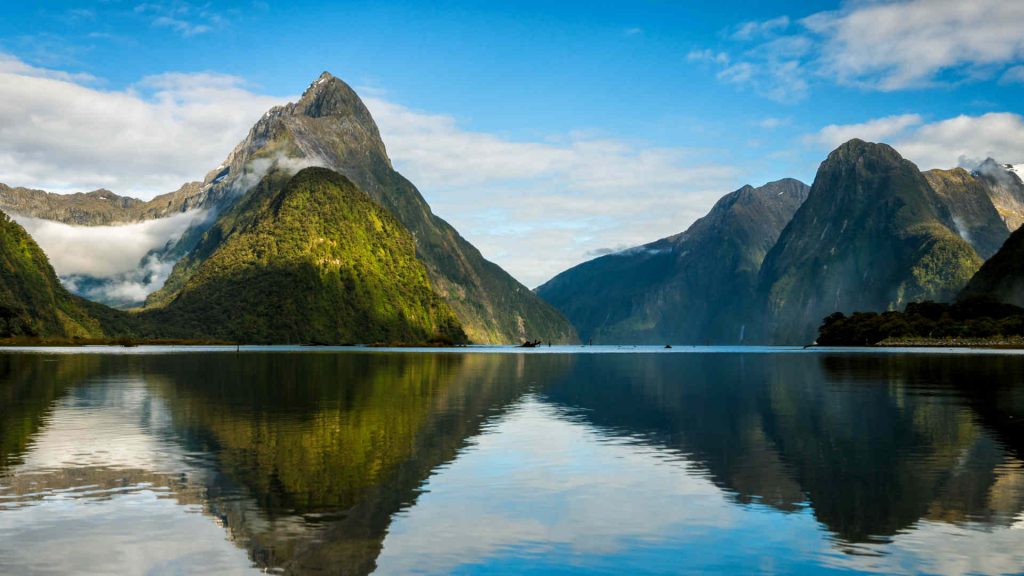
[{"x": 350, "y": 462}]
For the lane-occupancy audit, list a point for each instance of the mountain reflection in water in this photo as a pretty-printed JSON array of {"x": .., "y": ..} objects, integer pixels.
[{"x": 347, "y": 462}]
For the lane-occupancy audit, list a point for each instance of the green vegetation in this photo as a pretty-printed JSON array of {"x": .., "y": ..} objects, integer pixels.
[
  {"x": 986, "y": 312},
  {"x": 872, "y": 235},
  {"x": 32, "y": 301},
  {"x": 974, "y": 320},
  {"x": 310, "y": 259},
  {"x": 332, "y": 120},
  {"x": 305, "y": 259}
]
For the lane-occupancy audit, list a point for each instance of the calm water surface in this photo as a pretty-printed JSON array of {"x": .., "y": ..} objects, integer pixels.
[{"x": 160, "y": 461}]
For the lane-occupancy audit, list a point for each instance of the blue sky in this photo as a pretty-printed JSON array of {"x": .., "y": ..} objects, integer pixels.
[{"x": 656, "y": 108}]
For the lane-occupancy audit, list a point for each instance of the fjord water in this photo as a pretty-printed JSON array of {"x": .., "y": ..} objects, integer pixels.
[{"x": 163, "y": 461}]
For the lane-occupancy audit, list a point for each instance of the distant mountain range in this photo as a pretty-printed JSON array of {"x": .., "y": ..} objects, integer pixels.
[
  {"x": 767, "y": 265},
  {"x": 697, "y": 286},
  {"x": 328, "y": 127},
  {"x": 312, "y": 236}
]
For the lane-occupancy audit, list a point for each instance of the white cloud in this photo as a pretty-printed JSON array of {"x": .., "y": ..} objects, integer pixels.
[
  {"x": 896, "y": 45},
  {"x": 965, "y": 140},
  {"x": 709, "y": 56},
  {"x": 1014, "y": 75},
  {"x": 125, "y": 289},
  {"x": 754, "y": 29},
  {"x": 104, "y": 250},
  {"x": 9, "y": 65},
  {"x": 959, "y": 141},
  {"x": 181, "y": 17},
  {"x": 877, "y": 45},
  {"x": 877, "y": 130},
  {"x": 773, "y": 123},
  {"x": 459, "y": 521},
  {"x": 563, "y": 198},
  {"x": 780, "y": 80},
  {"x": 59, "y": 134}
]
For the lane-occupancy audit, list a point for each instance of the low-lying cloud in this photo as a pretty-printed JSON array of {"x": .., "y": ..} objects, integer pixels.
[
  {"x": 104, "y": 251},
  {"x": 126, "y": 289},
  {"x": 255, "y": 170}
]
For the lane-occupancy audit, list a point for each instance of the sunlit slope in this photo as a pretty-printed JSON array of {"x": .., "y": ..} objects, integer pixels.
[{"x": 306, "y": 259}]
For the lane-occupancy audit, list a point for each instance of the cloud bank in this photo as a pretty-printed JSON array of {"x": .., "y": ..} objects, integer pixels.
[
  {"x": 960, "y": 141},
  {"x": 564, "y": 197},
  {"x": 104, "y": 250},
  {"x": 878, "y": 45},
  {"x": 59, "y": 133}
]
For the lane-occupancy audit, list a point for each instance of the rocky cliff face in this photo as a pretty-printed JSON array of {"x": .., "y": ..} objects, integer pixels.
[
  {"x": 1005, "y": 189},
  {"x": 970, "y": 201},
  {"x": 331, "y": 127},
  {"x": 872, "y": 236},
  {"x": 99, "y": 207},
  {"x": 695, "y": 287}
]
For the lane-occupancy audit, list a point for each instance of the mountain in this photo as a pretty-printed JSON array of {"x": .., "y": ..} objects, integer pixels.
[
  {"x": 694, "y": 287},
  {"x": 970, "y": 200},
  {"x": 32, "y": 301},
  {"x": 871, "y": 236},
  {"x": 329, "y": 126},
  {"x": 96, "y": 208},
  {"x": 1006, "y": 190},
  {"x": 307, "y": 258},
  {"x": 1001, "y": 278}
]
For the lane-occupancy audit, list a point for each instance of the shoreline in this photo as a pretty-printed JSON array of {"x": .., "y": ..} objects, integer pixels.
[{"x": 999, "y": 343}]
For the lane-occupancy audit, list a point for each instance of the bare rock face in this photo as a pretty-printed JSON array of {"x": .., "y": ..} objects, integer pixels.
[
  {"x": 1005, "y": 189},
  {"x": 969, "y": 199}
]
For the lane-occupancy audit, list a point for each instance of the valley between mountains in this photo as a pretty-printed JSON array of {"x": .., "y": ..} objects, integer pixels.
[{"x": 307, "y": 234}]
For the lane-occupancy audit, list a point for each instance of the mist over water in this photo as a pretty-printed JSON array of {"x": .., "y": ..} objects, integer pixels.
[{"x": 484, "y": 462}]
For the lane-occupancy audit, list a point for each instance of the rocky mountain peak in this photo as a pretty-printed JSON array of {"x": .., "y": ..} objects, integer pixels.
[
  {"x": 997, "y": 173},
  {"x": 857, "y": 150},
  {"x": 330, "y": 96}
]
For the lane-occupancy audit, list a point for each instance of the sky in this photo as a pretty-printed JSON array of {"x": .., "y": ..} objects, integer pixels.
[{"x": 546, "y": 133}]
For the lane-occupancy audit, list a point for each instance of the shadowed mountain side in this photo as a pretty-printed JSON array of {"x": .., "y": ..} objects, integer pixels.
[
  {"x": 987, "y": 384},
  {"x": 309, "y": 258},
  {"x": 1001, "y": 277},
  {"x": 870, "y": 458},
  {"x": 695, "y": 287},
  {"x": 872, "y": 235},
  {"x": 703, "y": 408},
  {"x": 331, "y": 127}
]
